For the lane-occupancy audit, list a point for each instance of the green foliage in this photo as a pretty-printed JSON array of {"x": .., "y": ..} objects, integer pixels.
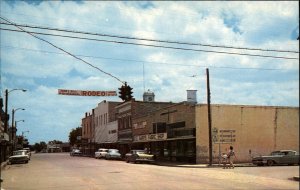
[
  {"x": 38, "y": 147},
  {"x": 73, "y": 136}
]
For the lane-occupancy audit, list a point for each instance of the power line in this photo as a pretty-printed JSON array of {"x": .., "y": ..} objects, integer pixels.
[
  {"x": 152, "y": 40},
  {"x": 30, "y": 33},
  {"x": 140, "y": 61},
  {"x": 157, "y": 46}
]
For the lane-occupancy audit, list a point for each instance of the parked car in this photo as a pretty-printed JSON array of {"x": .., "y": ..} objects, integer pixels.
[
  {"x": 75, "y": 152},
  {"x": 18, "y": 156},
  {"x": 27, "y": 151},
  {"x": 113, "y": 154},
  {"x": 139, "y": 156},
  {"x": 280, "y": 157},
  {"x": 101, "y": 153}
]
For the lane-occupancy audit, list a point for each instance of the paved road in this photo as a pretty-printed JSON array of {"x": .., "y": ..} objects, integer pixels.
[{"x": 60, "y": 171}]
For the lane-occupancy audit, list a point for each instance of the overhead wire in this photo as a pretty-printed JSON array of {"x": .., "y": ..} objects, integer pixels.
[
  {"x": 151, "y": 40},
  {"x": 156, "y": 46},
  {"x": 140, "y": 61},
  {"x": 76, "y": 57}
]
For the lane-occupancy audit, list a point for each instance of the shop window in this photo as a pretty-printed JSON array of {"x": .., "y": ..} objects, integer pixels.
[{"x": 159, "y": 128}]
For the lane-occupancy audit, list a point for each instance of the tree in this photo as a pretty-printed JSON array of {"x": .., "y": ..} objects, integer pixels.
[
  {"x": 38, "y": 147},
  {"x": 73, "y": 136},
  {"x": 55, "y": 142}
]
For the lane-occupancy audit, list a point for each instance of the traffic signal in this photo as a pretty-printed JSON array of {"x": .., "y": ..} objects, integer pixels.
[
  {"x": 125, "y": 92},
  {"x": 122, "y": 92},
  {"x": 128, "y": 93}
]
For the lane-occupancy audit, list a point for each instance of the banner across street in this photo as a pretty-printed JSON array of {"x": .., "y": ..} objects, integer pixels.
[{"x": 86, "y": 93}]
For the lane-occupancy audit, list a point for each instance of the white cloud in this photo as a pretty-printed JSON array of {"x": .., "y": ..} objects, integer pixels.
[{"x": 267, "y": 25}]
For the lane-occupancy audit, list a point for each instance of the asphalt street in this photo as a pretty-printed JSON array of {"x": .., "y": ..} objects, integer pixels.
[{"x": 61, "y": 171}]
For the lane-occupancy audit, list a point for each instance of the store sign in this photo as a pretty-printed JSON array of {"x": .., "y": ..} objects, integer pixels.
[
  {"x": 140, "y": 125},
  {"x": 86, "y": 93},
  {"x": 151, "y": 137}
]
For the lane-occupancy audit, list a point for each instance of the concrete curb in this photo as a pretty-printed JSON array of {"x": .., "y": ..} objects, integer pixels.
[{"x": 201, "y": 165}]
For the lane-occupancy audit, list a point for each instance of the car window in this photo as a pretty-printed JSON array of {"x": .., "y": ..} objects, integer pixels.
[
  {"x": 113, "y": 150},
  {"x": 18, "y": 153}
]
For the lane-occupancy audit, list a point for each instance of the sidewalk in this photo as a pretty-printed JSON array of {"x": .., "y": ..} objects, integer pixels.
[
  {"x": 188, "y": 165},
  {"x": 3, "y": 165}
]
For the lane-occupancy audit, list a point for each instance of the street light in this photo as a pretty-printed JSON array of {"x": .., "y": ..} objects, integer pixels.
[
  {"x": 6, "y": 102},
  {"x": 13, "y": 129},
  {"x": 23, "y": 137}
]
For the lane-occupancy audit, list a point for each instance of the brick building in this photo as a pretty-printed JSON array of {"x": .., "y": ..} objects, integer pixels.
[
  {"x": 128, "y": 110},
  {"x": 88, "y": 132},
  {"x": 169, "y": 133}
]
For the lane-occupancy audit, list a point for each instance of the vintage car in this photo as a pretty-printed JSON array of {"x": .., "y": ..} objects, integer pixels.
[
  {"x": 27, "y": 151},
  {"x": 18, "y": 156},
  {"x": 113, "y": 154},
  {"x": 138, "y": 156},
  {"x": 281, "y": 157},
  {"x": 101, "y": 153},
  {"x": 75, "y": 152}
]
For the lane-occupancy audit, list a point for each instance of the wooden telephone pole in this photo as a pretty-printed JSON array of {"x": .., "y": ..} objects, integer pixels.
[{"x": 209, "y": 118}]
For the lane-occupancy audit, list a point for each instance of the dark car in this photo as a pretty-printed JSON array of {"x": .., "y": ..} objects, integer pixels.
[
  {"x": 18, "y": 157},
  {"x": 75, "y": 152},
  {"x": 280, "y": 157},
  {"x": 139, "y": 156}
]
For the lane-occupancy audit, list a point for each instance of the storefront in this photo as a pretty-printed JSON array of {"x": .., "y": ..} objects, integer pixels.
[{"x": 181, "y": 149}]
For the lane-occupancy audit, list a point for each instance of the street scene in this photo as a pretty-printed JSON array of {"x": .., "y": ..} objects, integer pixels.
[
  {"x": 149, "y": 94},
  {"x": 61, "y": 171}
]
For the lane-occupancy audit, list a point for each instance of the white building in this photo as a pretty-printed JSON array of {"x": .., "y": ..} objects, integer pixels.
[{"x": 106, "y": 126}]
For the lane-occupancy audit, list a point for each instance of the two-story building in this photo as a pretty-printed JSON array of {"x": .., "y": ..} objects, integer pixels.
[
  {"x": 88, "y": 132},
  {"x": 128, "y": 110},
  {"x": 169, "y": 133},
  {"x": 106, "y": 125}
]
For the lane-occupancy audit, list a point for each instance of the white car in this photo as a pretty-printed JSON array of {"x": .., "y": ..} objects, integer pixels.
[
  {"x": 27, "y": 150},
  {"x": 18, "y": 156},
  {"x": 101, "y": 153}
]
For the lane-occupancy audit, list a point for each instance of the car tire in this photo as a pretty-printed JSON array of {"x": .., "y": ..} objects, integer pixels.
[
  {"x": 127, "y": 160},
  {"x": 270, "y": 162}
]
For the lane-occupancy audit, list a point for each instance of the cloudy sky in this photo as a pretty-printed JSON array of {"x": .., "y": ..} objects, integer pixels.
[{"x": 269, "y": 78}]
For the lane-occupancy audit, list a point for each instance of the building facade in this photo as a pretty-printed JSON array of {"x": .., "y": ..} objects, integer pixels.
[
  {"x": 106, "y": 127},
  {"x": 251, "y": 130},
  {"x": 128, "y": 110},
  {"x": 169, "y": 133},
  {"x": 88, "y": 132}
]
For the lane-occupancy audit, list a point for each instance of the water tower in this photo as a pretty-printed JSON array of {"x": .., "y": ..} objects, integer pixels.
[{"x": 192, "y": 96}]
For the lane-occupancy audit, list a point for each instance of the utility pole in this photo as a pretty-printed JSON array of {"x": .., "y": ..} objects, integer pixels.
[{"x": 209, "y": 118}]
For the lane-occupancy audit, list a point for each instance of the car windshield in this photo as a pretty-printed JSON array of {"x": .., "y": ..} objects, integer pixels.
[
  {"x": 114, "y": 151},
  {"x": 17, "y": 153},
  {"x": 140, "y": 151}
]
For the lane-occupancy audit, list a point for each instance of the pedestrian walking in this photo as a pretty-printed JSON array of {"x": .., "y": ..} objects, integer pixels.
[{"x": 231, "y": 156}]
